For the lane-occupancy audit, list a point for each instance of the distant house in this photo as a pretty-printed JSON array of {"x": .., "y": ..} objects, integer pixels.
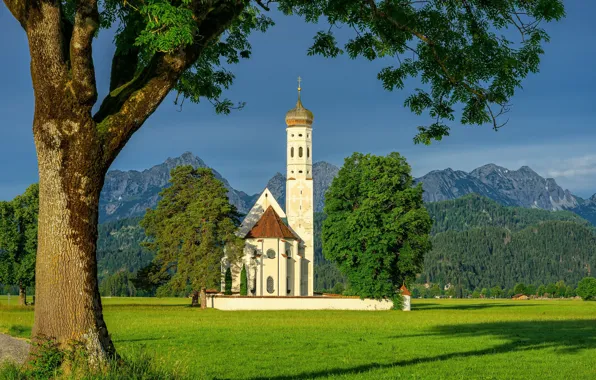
[{"x": 520, "y": 297}]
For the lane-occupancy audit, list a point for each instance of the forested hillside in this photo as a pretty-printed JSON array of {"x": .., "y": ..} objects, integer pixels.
[
  {"x": 472, "y": 211},
  {"x": 476, "y": 242},
  {"x": 487, "y": 256},
  {"x": 119, "y": 248}
]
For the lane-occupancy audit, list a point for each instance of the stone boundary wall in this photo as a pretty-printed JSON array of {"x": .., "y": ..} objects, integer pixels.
[{"x": 295, "y": 303}]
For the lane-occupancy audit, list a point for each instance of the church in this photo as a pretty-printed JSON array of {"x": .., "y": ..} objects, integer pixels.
[{"x": 279, "y": 246}]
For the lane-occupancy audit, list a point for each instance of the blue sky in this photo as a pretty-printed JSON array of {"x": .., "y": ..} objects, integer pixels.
[{"x": 551, "y": 127}]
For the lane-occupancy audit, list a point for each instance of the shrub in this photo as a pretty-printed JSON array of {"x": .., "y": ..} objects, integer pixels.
[
  {"x": 243, "y": 281},
  {"x": 586, "y": 288},
  {"x": 228, "y": 282}
]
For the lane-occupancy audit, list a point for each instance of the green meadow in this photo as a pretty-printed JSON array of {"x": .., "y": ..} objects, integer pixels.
[{"x": 438, "y": 339}]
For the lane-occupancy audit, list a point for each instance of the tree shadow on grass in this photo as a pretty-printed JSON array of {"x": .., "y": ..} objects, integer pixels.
[
  {"x": 568, "y": 336},
  {"x": 473, "y": 306}
]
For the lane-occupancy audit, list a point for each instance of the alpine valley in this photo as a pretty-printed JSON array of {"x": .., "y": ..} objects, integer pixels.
[{"x": 492, "y": 226}]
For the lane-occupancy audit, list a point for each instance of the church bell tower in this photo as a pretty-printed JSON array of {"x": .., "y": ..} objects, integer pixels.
[{"x": 299, "y": 189}]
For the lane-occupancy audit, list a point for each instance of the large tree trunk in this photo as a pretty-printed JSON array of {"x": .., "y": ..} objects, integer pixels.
[
  {"x": 22, "y": 295},
  {"x": 203, "y": 298},
  {"x": 68, "y": 305}
]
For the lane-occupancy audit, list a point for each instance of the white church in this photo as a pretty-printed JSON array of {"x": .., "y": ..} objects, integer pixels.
[{"x": 279, "y": 246}]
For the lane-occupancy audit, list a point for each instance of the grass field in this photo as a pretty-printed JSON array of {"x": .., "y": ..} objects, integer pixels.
[{"x": 438, "y": 339}]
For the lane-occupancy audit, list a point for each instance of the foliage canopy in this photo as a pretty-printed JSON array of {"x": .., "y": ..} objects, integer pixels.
[
  {"x": 472, "y": 53},
  {"x": 377, "y": 229},
  {"x": 191, "y": 227},
  {"x": 18, "y": 238},
  {"x": 586, "y": 288}
]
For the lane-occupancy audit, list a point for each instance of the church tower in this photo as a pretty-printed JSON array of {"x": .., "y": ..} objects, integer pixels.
[{"x": 299, "y": 190}]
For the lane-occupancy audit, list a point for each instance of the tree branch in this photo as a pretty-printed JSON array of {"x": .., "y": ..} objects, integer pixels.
[
  {"x": 19, "y": 9},
  {"x": 126, "y": 108},
  {"x": 83, "y": 73}
]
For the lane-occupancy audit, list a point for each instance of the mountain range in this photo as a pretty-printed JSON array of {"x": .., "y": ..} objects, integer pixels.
[{"x": 130, "y": 193}]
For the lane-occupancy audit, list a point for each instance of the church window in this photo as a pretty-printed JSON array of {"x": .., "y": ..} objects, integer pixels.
[
  {"x": 289, "y": 253},
  {"x": 292, "y": 152},
  {"x": 300, "y": 152},
  {"x": 307, "y": 135},
  {"x": 300, "y": 171},
  {"x": 292, "y": 135},
  {"x": 270, "y": 288},
  {"x": 307, "y": 152},
  {"x": 271, "y": 254},
  {"x": 300, "y": 135}
]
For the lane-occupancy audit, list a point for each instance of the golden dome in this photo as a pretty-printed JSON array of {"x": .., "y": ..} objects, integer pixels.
[{"x": 299, "y": 116}]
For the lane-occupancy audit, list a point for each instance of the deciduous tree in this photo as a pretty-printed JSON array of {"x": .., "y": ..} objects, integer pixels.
[
  {"x": 18, "y": 240},
  {"x": 377, "y": 229},
  {"x": 586, "y": 288},
  {"x": 457, "y": 48}
]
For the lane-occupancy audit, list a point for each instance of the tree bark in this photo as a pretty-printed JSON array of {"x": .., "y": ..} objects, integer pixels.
[
  {"x": 203, "y": 298},
  {"x": 68, "y": 305},
  {"x": 22, "y": 295}
]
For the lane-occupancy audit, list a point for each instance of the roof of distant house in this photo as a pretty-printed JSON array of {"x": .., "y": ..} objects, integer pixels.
[{"x": 270, "y": 225}]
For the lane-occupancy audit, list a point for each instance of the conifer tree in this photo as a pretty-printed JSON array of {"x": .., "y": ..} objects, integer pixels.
[
  {"x": 228, "y": 282},
  {"x": 243, "y": 281},
  {"x": 190, "y": 228}
]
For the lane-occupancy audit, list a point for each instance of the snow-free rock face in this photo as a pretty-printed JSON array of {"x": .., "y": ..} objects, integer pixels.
[
  {"x": 130, "y": 193},
  {"x": 523, "y": 187}
]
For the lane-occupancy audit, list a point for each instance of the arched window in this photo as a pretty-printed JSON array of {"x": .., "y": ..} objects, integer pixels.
[
  {"x": 289, "y": 252},
  {"x": 270, "y": 254},
  {"x": 307, "y": 152},
  {"x": 292, "y": 152},
  {"x": 270, "y": 288},
  {"x": 300, "y": 152}
]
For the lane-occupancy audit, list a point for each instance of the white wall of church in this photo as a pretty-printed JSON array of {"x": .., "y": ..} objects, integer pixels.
[{"x": 297, "y": 303}]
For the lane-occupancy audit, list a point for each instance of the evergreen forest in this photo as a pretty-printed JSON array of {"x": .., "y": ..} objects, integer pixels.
[{"x": 477, "y": 244}]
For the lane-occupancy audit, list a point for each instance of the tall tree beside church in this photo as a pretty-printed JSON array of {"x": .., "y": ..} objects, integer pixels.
[
  {"x": 377, "y": 229},
  {"x": 162, "y": 46},
  {"x": 189, "y": 230},
  {"x": 18, "y": 240}
]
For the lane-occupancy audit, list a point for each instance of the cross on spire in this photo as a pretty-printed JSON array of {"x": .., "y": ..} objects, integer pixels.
[{"x": 299, "y": 81}]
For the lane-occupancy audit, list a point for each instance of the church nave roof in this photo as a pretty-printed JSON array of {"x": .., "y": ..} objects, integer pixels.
[{"x": 270, "y": 225}]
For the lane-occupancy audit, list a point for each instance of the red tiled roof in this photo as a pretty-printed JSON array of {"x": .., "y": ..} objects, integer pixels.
[
  {"x": 405, "y": 291},
  {"x": 270, "y": 226}
]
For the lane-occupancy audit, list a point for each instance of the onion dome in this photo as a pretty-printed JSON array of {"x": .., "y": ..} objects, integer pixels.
[{"x": 299, "y": 116}]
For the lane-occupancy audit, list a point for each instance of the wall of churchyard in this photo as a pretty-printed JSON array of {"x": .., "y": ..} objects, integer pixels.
[{"x": 295, "y": 303}]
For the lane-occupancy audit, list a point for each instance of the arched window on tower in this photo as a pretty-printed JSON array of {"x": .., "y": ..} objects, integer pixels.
[
  {"x": 300, "y": 152},
  {"x": 307, "y": 152},
  {"x": 292, "y": 152}
]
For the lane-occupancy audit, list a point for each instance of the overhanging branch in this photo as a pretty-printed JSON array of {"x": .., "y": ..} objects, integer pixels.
[
  {"x": 19, "y": 9},
  {"x": 83, "y": 73},
  {"x": 127, "y": 107}
]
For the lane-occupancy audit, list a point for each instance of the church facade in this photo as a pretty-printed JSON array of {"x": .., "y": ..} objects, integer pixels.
[{"x": 279, "y": 245}]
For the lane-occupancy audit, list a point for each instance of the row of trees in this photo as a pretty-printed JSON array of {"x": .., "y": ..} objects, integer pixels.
[{"x": 586, "y": 289}]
